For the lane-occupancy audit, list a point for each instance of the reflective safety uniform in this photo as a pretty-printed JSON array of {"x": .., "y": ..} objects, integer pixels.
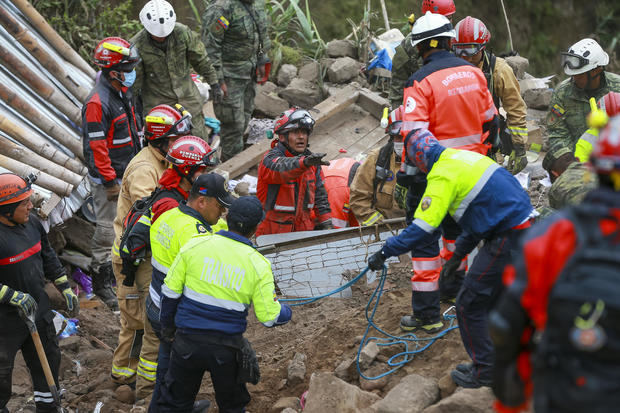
[
  {"x": 338, "y": 177},
  {"x": 466, "y": 185},
  {"x": 585, "y": 144},
  {"x": 289, "y": 191},
  {"x": 450, "y": 98}
]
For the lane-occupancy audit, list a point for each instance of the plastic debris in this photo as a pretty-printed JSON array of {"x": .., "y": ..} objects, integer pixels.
[
  {"x": 84, "y": 281},
  {"x": 65, "y": 327},
  {"x": 342, "y": 150}
]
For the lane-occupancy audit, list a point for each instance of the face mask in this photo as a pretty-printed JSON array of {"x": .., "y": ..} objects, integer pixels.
[
  {"x": 398, "y": 148},
  {"x": 130, "y": 77}
]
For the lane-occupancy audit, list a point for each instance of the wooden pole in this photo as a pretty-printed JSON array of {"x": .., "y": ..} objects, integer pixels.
[
  {"x": 507, "y": 26},
  {"x": 385, "y": 15},
  {"x": 65, "y": 136},
  {"x": 25, "y": 155},
  {"x": 34, "y": 141},
  {"x": 30, "y": 42},
  {"x": 39, "y": 85},
  {"x": 53, "y": 37},
  {"x": 44, "y": 180}
]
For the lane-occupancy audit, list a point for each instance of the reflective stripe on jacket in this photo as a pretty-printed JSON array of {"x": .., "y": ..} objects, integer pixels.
[{"x": 337, "y": 181}]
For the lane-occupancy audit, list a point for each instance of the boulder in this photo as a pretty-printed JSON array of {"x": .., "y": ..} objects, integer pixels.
[
  {"x": 347, "y": 370},
  {"x": 465, "y": 401},
  {"x": 376, "y": 384},
  {"x": 286, "y": 74},
  {"x": 269, "y": 105},
  {"x": 537, "y": 98},
  {"x": 446, "y": 386},
  {"x": 78, "y": 234},
  {"x": 341, "y": 48},
  {"x": 297, "y": 369},
  {"x": 301, "y": 93},
  {"x": 286, "y": 403},
  {"x": 413, "y": 394},
  {"x": 368, "y": 355},
  {"x": 519, "y": 65},
  {"x": 267, "y": 87},
  {"x": 343, "y": 70},
  {"x": 328, "y": 393},
  {"x": 310, "y": 71}
]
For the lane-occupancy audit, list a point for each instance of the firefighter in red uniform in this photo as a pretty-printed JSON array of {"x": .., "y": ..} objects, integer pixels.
[
  {"x": 290, "y": 181},
  {"x": 450, "y": 98},
  {"x": 110, "y": 140},
  {"x": 556, "y": 329},
  {"x": 338, "y": 178}
]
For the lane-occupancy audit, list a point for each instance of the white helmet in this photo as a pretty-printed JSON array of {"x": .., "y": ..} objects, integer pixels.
[
  {"x": 429, "y": 26},
  {"x": 583, "y": 56},
  {"x": 158, "y": 18}
]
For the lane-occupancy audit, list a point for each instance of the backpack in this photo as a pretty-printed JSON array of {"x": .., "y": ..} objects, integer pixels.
[
  {"x": 577, "y": 361},
  {"x": 382, "y": 169},
  {"x": 137, "y": 210}
]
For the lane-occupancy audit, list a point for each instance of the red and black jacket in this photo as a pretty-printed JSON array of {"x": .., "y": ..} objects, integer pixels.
[
  {"x": 26, "y": 257},
  {"x": 110, "y": 131},
  {"x": 289, "y": 192}
]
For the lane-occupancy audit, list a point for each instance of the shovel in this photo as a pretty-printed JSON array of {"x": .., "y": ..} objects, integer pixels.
[{"x": 29, "y": 319}]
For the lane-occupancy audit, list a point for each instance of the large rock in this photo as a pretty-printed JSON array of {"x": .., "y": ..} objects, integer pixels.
[
  {"x": 297, "y": 369},
  {"x": 285, "y": 403},
  {"x": 267, "y": 87},
  {"x": 518, "y": 64},
  {"x": 343, "y": 70},
  {"x": 330, "y": 394},
  {"x": 301, "y": 93},
  {"x": 310, "y": 71},
  {"x": 341, "y": 48},
  {"x": 465, "y": 401},
  {"x": 286, "y": 74},
  {"x": 78, "y": 234},
  {"x": 347, "y": 370},
  {"x": 376, "y": 384},
  {"x": 537, "y": 98},
  {"x": 269, "y": 105},
  {"x": 413, "y": 394}
]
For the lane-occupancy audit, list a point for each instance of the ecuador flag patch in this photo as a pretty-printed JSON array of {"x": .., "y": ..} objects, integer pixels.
[{"x": 222, "y": 21}]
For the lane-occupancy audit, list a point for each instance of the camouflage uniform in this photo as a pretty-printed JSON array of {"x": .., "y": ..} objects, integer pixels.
[
  {"x": 570, "y": 106},
  {"x": 405, "y": 62},
  {"x": 572, "y": 186},
  {"x": 163, "y": 76},
  {"x": 233, "y": 39}
]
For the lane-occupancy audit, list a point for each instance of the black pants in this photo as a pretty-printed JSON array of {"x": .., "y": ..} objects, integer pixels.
[
  {"x": 15, "y": 337},
  {"x": 192, "y": 355}
]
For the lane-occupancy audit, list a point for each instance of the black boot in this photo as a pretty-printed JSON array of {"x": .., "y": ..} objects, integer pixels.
[
  {"x": 201, "y": 406},
  {"x": 102, "y": 285}
]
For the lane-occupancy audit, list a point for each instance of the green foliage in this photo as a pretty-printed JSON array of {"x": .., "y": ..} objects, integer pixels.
[
  {"x": 291, "y": 56},
  {"x": 83, "y": 23}
]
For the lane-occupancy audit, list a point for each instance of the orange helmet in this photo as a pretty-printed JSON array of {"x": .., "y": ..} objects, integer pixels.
[
  {"x": 116, "y": 54},
  {"x": 14, "y": 188},
  {"x": 445, "y": 7},
  {"x": 165, "y": 121},
  {"x": 472, "y": 36}
]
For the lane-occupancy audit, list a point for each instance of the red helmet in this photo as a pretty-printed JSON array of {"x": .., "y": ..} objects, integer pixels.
[
  {"x": 471, "y": 36},
  {"x": 606, "y": 154},
  {"x": 445, "y": 7},
  {"x": 189, "y": 153},
  {"x": 395, "y": 123},
  {"x": 294, "y": 118},
  {"x": 14, "y": 188},
  {"x": 165, "y": 121},
  {"x": 117, "y": 54},
  {"x": 610, "y": 103}
]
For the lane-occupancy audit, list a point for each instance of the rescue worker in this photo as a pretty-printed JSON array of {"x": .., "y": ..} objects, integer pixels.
[
  {"x": 169, "y": 51},
  {"x": 208, "y": 200},
  {"x": 164, "y": 124},
  {"x": 464, "y": 183},
  {"x": 110, "y": 140},
  {"x": 235, "y": 35},
  {"x": 406, "y": 60},
  {"x": 607, "y": 107},
  {"x": 290, "y": 181},
  {"x": 555, "y": 329},
  {"x": 189, "y": 157},
  {"x": 26, "y": 258},
  {"x": 585, "y": 63},
  {"x": 449, "y": 97},
  {"x": 205, "y": 299},
  {"x": 372, "y": 189},
  {"x": 338, "y": 178},
  {"x": 472, "y": 37}
]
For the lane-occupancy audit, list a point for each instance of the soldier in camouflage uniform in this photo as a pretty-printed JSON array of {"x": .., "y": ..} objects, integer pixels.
[
  {"x": 168, "y": 51},
  {"x": 235, "y": 34},
  {"x": 584, "y": 62},
  {"x": 406, "y": 60}
]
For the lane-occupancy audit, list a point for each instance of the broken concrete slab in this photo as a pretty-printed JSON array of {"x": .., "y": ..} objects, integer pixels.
[
  {"x": 368, "y": 355},
  {"x": 328, "y": 393},
  {"x": 301, "y": 93},
  {"x": 537, "y": 98},
  {"x": 341, "y": 48},
  {"x": 519, "y": 65},
  {"x": 343, "y": 70},
  {"x": 286, "y": 74}
]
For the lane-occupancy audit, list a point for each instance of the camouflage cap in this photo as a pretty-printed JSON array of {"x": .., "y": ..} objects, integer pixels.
[{"x": 553, "y": 155}]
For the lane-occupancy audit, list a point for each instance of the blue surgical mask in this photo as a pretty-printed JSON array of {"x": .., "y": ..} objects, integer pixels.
[{"x": 130, "y": 77}]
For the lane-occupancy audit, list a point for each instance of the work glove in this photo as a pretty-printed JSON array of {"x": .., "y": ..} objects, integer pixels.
[
  {"x": 217, "y": 94},
  {"x": 167, "y": 333},
  {"x": 517, "y": 160},
  {"x": 315, "y": 159},
  {"x": 129, "y": 270},
  {"x": 376, "y": 261},
  {"x": 112, "y": 192},
  {"x": 449, "y": 269},
  {"x": 327, "y": 224},
  {"x": 400, "y": 195},
  {"x": 73, "y": 304},
  {"x": 26, "y": 305}
]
